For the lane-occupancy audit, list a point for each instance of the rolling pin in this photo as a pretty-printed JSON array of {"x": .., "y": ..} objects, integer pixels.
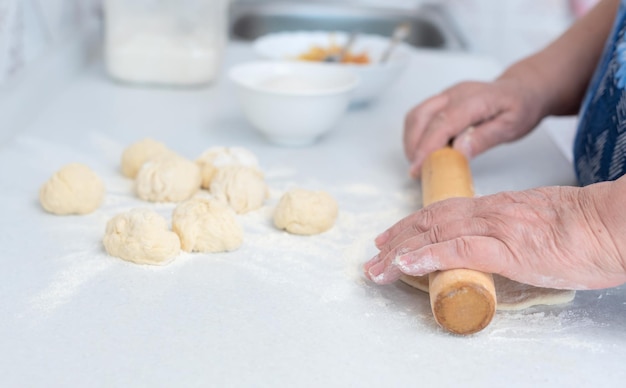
[{"x": 463, "y": 301}]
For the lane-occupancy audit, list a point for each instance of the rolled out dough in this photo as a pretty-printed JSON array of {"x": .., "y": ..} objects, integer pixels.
[{"x": 510, "y": 294}]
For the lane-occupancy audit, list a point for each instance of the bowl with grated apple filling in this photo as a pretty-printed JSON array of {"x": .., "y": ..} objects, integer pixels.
[{"x": 362, "y": 57}]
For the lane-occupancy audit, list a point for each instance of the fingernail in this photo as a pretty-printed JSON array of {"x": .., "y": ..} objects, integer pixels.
[
  {"x": 371, "y": 262},
  {"x": 384, "y": 274},
  {"x": 381, "y": 238},
  {"x": 415, "y": 163},
  {"x": 415, "y": 171},
  {"x": 464, "y": 142},
  {"x": 375, "y": 270}
]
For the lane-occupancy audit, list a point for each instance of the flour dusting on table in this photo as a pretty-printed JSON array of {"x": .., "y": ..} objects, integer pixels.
[{"x": 327, "y": 266}]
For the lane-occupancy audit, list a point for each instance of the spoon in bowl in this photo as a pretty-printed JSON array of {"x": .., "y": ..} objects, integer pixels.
[
  {"x": 338, "y": 57},
  {"x": 399, "y": 34}
]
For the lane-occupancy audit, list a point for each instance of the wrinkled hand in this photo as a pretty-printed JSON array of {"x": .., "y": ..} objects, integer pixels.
[
  {"x": 557, "y": 237},
  {"x": 476, "y": 115}
]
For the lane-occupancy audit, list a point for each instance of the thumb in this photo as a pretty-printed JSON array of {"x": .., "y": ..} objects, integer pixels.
[{"x": 478, "y": 139}]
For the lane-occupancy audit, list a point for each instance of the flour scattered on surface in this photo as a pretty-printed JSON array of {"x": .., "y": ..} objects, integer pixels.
[
  {"x": 361, "y": 189},
  {"x": 527, "y": 326},
  {"x": 81, "y": 269},
  {"x": 325, "y": 267}
]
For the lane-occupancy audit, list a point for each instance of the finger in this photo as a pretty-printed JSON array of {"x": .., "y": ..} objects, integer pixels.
[
  {"x": 446, "y": 125},
  {"x": 417, "y": 120},
  {"x": 437, "y": 213},
  {"x": 373, "y": 261},
  {"x": 438, "y": 233},
  {"x": 384, "y": 272},
  {"x": 479, "y": 253},
  {"x": 478, "y": 139},
  {"x": 428, "y": 223},
  {"x": 389, "y": 265}
]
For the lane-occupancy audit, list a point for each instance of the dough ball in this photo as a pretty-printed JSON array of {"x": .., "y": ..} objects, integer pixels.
[
  {"x": 141, "y": 236},
  {"x": 135, "y": 155},
  {"x": 217, "y": 157},
  {"x": 305, "y": 212},
  {"x": 74, "y": 189},
  {"x": 243, "y": 188},
  {"x": 167, "y": 178},
  {"x": 206, "y": 225}
]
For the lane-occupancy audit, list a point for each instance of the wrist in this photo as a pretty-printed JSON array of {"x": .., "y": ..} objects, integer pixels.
[
  {"x": 529, "y": 84},
  {"x": 611, "y": 212},
  {"x": 617, "y": 212}
]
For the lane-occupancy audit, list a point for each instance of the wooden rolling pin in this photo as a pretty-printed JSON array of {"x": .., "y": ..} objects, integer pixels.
[{"x": 463, "y": 301}]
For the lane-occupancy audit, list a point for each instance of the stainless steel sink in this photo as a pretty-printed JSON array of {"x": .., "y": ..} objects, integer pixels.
[{"x": 431, "y": 26}]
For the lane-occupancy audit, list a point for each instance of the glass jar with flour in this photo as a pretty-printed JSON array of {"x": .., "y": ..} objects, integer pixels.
[{"x": 165, "y": 42}]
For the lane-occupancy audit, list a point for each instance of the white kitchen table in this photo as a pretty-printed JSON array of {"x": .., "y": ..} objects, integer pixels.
[{"x": 282, "y": 310}]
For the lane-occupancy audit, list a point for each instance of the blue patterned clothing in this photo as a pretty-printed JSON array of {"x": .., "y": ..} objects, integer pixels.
[{"x": 600, "y": 145}]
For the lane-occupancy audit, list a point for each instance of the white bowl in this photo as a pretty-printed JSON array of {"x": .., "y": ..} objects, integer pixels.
[
  {"x": 293, "y": 103},
  {"x": 375, "y": 77}
]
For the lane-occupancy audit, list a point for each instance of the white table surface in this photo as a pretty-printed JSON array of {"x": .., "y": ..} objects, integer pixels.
[{"x": 283, "y": 310}]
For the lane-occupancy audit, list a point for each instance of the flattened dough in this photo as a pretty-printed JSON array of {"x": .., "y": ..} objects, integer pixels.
[{"x": 511, "y": 295}]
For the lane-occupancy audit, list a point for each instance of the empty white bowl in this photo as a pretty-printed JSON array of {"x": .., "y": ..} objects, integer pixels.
[
  {"x": 375, "y": 77},
  {"x": 293, "y": 103}
]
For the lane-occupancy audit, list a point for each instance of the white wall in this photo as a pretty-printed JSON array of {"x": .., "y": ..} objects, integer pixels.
[
  {"x": 505, "y": 29},
  {"x": 29, "y": 29},
  {"x": 510, "y": 29}
]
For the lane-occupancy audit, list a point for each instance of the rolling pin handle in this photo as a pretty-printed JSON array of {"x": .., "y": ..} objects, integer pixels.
[{"x": 463, "y": 301}]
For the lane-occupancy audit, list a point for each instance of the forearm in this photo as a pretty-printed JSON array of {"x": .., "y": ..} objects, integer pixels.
[{"x": 559, "y": 74}]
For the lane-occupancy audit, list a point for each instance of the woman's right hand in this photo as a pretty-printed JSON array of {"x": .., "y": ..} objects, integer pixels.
[{"x": 474, "y": 115}]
